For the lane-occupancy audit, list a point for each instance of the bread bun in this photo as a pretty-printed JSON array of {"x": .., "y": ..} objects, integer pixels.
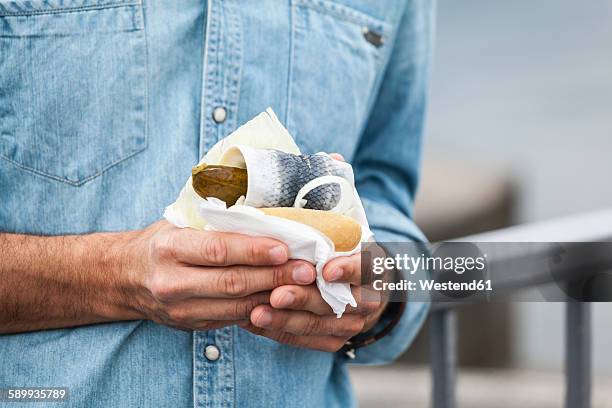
[{"x": 343, "y": 231}]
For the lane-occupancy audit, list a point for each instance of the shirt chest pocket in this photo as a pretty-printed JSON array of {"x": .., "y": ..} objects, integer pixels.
[
  {"x": 337, "y": 57},
  {"x": 72, "y": 86}
]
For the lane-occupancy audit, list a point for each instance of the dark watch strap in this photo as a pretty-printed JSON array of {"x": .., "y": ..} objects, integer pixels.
[{"x": 390, "y": 319}]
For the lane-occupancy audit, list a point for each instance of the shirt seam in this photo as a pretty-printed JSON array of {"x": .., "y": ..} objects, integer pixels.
[
  {"x": 346, "y": 13},
  {"x": 79, "y": 183},
  {"x": 203, "y": 105},
  {"x": 290, "y": 62},
  {"x": 68, "y": 9}
]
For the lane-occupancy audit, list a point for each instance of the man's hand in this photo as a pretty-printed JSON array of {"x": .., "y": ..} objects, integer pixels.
[
  {"x": 298, "y": 315},
  {"x": 201, "y": 280},
  {"x": 179, "y": 277}
]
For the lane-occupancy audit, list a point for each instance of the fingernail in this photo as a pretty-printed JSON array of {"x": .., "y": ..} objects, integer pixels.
[
  {"x": 335, "y": 274},
  {"x": 303, "y": 274},
  {"x": 264, "y": 319},
  {"x": 286, "y": 300},
  {"x": 278, "y": 254}
]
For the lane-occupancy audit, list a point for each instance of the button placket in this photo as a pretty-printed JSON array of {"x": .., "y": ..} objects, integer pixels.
[
  {"x": 203, "y": 374},
  {"x": 213, "y": 349},
  {"x": 222, "y": 75}
]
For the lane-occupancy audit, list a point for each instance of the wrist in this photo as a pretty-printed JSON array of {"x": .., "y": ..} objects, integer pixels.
[
  {"x": 133, "y": 270},
  {"x": 119, "y": 259}
]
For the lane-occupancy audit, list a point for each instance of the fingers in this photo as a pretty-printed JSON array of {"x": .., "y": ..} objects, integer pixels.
[
  {"x": 305, "y": 323},
  {"x": 346, "y": 269},
  {"x": 337, "y": 156},
  {"x": 210, "y": 313},
  {"x": 321, "y": 343},
  {"x": 308, "y": 298},
  {"x": 229, "y": 282},
  {"x": 209, "y": 248}
]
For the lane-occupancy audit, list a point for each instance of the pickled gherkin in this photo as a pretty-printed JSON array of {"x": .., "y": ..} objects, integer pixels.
[{"x": 223, "y": 182}]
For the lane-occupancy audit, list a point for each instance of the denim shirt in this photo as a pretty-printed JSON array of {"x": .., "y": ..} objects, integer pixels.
[{"x": 106, "y": 104}]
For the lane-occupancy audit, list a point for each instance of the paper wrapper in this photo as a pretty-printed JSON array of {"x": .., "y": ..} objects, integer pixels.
[{"x": 304, "y": 242}]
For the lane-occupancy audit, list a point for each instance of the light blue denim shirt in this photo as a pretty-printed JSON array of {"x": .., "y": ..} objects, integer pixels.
[{"x": 106, "y": 104}]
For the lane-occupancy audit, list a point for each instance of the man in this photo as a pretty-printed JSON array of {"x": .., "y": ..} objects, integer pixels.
[{"x": 105, "y": 106}]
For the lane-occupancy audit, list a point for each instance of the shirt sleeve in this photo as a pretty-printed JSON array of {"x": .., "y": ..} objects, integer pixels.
[{"x": 387, "y": 159}]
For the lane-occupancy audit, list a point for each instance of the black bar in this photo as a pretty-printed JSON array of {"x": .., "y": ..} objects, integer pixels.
[
  {"x": 443, "y": 355},
  {"x": 578, "y": 355}
]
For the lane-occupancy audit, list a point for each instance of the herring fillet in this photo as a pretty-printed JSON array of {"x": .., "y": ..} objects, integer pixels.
[{"x": 276, "y": 177}]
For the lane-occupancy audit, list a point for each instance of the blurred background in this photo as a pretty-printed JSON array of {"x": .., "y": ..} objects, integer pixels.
[{"x": 519, "y": 130}]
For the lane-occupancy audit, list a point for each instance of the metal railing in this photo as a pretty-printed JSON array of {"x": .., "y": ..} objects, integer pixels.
[{"x": 593, "y": 227}]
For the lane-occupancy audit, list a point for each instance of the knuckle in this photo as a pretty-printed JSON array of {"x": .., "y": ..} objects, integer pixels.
[
  {"x": 287, "y": 338},
  {"x": 255, "y": 252},
  {"x": 215, "y": 249},
  {"x": 233, "y": 283},
  {"x": 312, "y": 326},
  {"x": 162, "y": 247},
  {"x": 340, "y": 329},
  {"x": 369, "y": 307},
  {"x": 244, "y": 308},
  {"x": 162, "y": 288},
  {"x": 278, "y": 275},
  {"x": 300, "y": 298},
  {"x": 283, "y": 274},
  {"x": 179, "y": 316},
  {"x": 357, "y": 325},
  {"x": 251, "y": 250}
]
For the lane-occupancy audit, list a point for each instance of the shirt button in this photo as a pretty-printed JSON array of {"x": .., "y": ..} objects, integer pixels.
[
  {"x": 212, "y": 353},
  {"x": 219, "y": 114}
]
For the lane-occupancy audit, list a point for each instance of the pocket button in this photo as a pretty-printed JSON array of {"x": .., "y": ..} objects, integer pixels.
[{"x": 374, "y": 38}]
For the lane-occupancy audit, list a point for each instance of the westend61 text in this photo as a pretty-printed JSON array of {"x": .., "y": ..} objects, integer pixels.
[{"x": 429, "y": 285}]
